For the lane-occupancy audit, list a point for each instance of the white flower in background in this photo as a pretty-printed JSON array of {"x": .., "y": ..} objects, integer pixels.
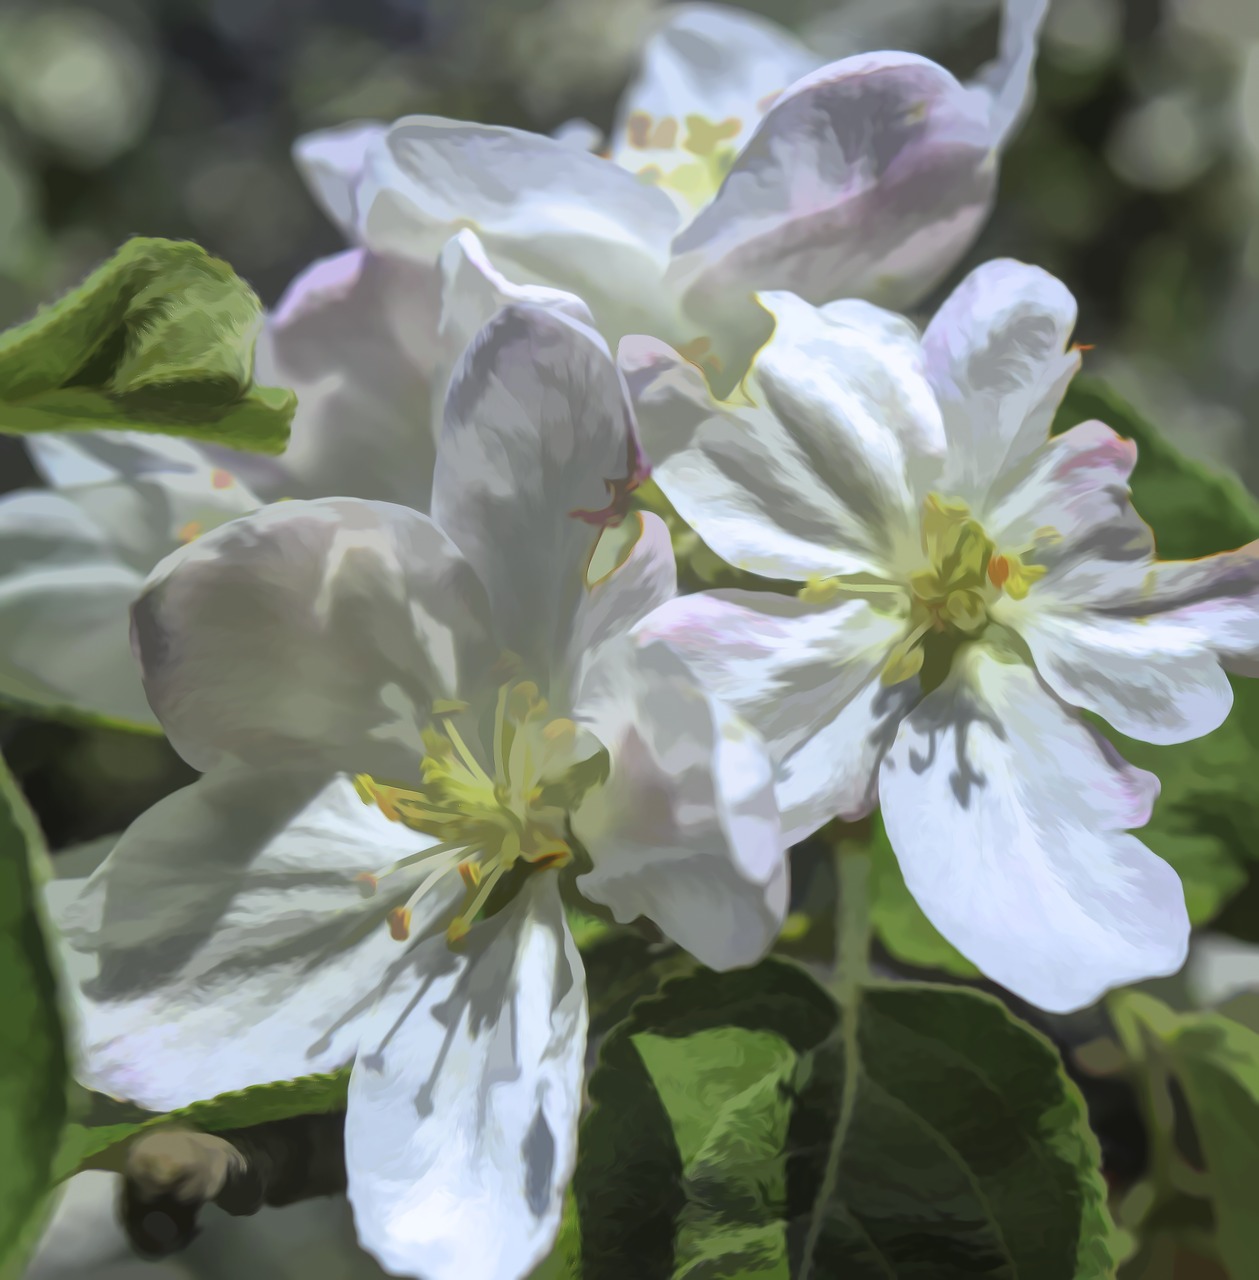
[
  {"x": 737, "y": 164},
  {"x": 969, "y": 584},
  {"x": 74, "y": 555},
  {"x": 409, "y": 726}
]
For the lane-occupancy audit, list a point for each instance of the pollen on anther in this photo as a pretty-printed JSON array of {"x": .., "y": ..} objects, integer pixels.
[
  {"x": 367, "y": 883},
  {"x": 399, "y": 924},
  {"x": 470, "y": 874},
  {"x": 221, "y": 479},
  {"x": 998, "y": 571}
]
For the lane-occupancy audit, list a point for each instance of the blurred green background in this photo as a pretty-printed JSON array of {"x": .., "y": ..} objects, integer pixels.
[{"x": 1136, "y": 180}]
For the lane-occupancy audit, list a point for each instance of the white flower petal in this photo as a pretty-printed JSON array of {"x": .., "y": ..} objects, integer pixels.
[
  {"x": 547, "y": 213},
  {"x": 331, "y": 161},
  {"x": 644, "y": 580},
  {"x": 1009, "y": 819},
  {"x": 63, "y": 638},
  {"x": 806, "y": 678},
  {"x": 1153, "y": 678},
  {"x": 310, "y": 631},
  {"x": 461, "y": 1132},
  {"x": 685, "y": 830},
  {"x": 721, "y": 64},
  {"x": 996, "y": 356},
  {"x": 1075, "y": 484},
  {"x": 355, "y": 336},
  {"x": 739, "y": 476},
  {"x": 848, "y": 380},
  {"x": 147, "y": 493},
  {"x": 226, "y": 942},
  {"x": 538, "y": 453},
  {"x": 868, "y": 178},
  {"x": 473, "y": 290}
]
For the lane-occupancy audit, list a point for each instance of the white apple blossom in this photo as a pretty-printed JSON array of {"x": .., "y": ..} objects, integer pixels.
[
  {"x": 409, "y": 727},
  {"x": 368, "y": 348},
  {"x": 969, "y": 585},
  {"x": 737, "y": 163}
]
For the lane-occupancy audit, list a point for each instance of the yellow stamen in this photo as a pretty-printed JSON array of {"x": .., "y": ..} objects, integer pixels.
[{"x": 399, "y": 923}]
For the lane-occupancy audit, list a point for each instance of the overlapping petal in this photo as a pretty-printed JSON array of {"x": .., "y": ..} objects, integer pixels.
[
  {"x": 226, "y": 942},
  {"x": 996, "y": 356},
  {"x": 311, "y": 631},
  {"x": 685, "y": 831},
  {"x": 1009, "y": 819},
  {"x": 806, "y": 678},
  {"x": 332, "y": 161},
  {"x": 547, "y": 213},
  {"x": 461, "y": 1131},
  {"x": 538, "y": 453},
  {"x": 708, "y": 72},
  {"x": 355, "y": 336}
]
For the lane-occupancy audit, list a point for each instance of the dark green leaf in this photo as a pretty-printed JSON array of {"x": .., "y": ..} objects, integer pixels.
[
  {"x": 33, "y": 1077},
  {"x": 1205, "y": 820},
  {"x": 960, "y": 1147},
  {"x": 100, "y": 1146},
  {"x": 1216, "y": 1062},
  {"x": 159, "y": 338}
]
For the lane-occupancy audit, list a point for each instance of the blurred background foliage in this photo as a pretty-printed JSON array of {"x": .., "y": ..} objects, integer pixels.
[{"x": 1136, "y": 180}]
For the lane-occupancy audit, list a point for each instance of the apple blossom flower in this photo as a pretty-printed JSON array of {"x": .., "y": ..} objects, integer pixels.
[
  {"x": 737, "y": 163},
  {"x": 968, "y": 586},
  {"x": 409, "y": 727}
]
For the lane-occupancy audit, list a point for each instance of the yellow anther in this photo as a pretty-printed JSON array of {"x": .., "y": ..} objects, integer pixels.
[
  {"x": 221, "y": 479},
  {"x": 820, "y": 590},
  {"x": 399, "y": 923},
  {"x": 187, "y": 532},
  {"x": 665, "y": 134},
  {"x": 555, "y": 854},
  {"x": 525, "y": 700},
  {"x": 1022, "y": 577},
  {"x": 560, "y": 734},
  {"x": 998, "y": 571},
  {"x": 638, "y": 128},
  {"x": 457, "y": 930},
  {"x": 470, "y": 874},
  {"x": 368, "y": 883},
  {"x": 703, "y": 136}
]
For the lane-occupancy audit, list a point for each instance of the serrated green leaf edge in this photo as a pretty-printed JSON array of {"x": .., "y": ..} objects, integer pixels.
[
  {"x": 22, "y": 1209},
  {"x": 35, "y": 376},
  {"x": 104, "y": 1147}
]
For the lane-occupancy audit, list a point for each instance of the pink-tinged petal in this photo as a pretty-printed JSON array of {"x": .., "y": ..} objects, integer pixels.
[
  {"x": 331, "y": 161},
  {"x": 868, "y": 178},
  {"x": 996, "y": 355},
  {"x": 719, "y": 64},
  {"x": 685, "y": 830},
  {"x": 461, "y": 1128},
  {"x": 226, "y": 940},
  {"x": 546, "y": 213},
  {"x": 1009, "y": 819},
  {"x": 806, "y": 678},
  {"x": 355, "y": 336},
  {"x": 538, "y": 452},
  {"x": 310, "y": 632}
]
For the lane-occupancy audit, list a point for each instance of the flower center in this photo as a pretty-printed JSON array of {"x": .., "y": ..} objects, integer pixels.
[
  {"x": 694, "y": 181},
  {"x": 502, "y": 812},
  {"x": 965, "y": 574}
]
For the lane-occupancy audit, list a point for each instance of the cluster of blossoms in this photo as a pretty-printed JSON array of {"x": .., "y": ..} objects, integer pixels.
[{"x": 422, "y": 719}]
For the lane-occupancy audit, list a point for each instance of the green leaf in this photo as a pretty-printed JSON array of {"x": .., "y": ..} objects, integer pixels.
[
  {"x": 961, "y": 1147},
  {"x": 159, "y": 338},
  {"x": 1206, "y": 816},
  {"x": 102, "y": 1146},
  {"x": 1216, "y": 1062},
  {"x": 33, "y": 1073}
]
